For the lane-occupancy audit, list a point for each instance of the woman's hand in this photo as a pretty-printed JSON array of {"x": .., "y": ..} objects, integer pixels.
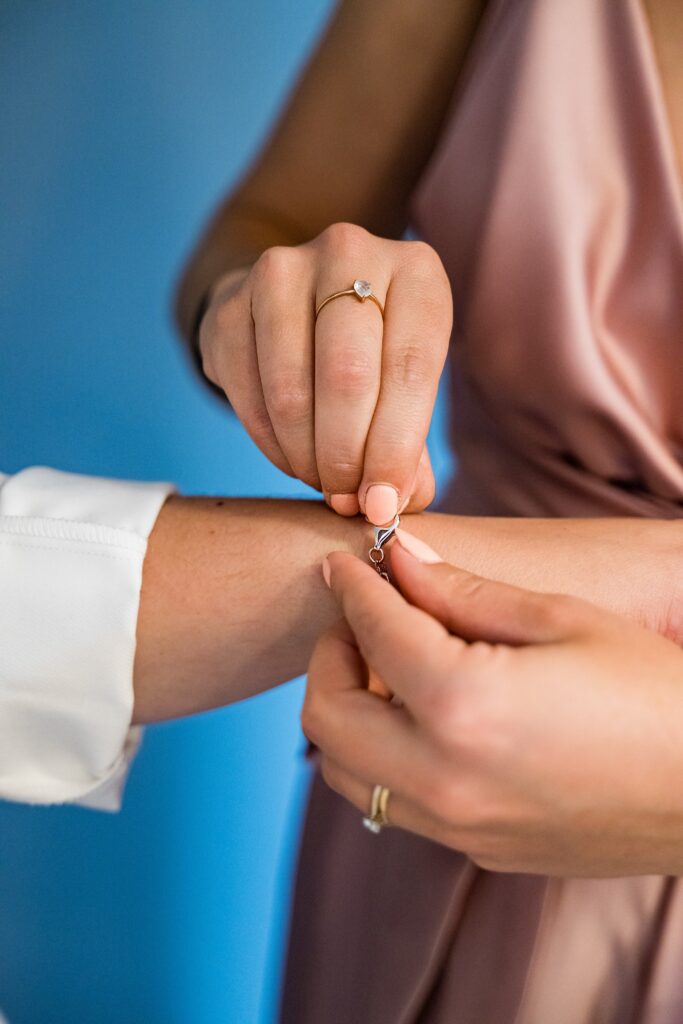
[
  {"x": 343, "y": 403},
  {"x": 537, "y": 733}
]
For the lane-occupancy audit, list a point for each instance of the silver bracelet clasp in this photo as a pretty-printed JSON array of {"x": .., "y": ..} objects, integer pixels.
[{"x": 376, "y": 552}]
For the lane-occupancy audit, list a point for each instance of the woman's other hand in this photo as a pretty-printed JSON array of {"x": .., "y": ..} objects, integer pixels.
[
  {"x": 537, "y": 733},
  {"x": 343, "y": 403}
]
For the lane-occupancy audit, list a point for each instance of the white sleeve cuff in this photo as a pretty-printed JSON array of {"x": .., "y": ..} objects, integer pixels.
[{"x": 71, "y": 554}]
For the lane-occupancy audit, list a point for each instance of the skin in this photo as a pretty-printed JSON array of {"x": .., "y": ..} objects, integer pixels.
[
  {"x": 343, "y": 404},
  {"x": 233, "y": 600},
  {"x": 326, "y": 403},
  {"x": 536, "y": 734}
]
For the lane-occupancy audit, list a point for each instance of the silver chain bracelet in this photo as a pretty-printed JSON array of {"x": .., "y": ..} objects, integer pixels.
[{"x": 376, "y": 552}]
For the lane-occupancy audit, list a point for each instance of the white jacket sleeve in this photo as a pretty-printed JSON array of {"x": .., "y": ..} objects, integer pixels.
[{"x": 71, "y": 553}]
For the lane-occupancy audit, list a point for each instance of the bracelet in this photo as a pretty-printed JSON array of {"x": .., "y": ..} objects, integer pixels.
[{"x": 376, "y": 552}]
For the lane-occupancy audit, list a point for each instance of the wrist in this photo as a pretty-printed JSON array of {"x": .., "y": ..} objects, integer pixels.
[{"x": 633, "y": 567}]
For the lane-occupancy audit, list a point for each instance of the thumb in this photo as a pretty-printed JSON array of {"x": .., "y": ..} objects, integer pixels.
[{"x": 476, "y": 608}]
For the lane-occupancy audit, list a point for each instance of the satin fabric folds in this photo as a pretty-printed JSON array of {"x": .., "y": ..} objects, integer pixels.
[{"x": 555, "y": 202}]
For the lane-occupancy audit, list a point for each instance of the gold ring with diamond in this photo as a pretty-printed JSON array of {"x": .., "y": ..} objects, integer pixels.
[
  {"x": 361, "y": 289},
  {"x": 378, "y": 810}
]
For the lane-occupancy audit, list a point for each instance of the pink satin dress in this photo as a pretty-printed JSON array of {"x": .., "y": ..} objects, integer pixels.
[{"x": 555, "y": 202}]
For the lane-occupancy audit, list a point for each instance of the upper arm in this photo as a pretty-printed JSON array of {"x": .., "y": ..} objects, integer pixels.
[
  {"x": 351, "y": 141},
  {"x": 364, "y": 116}
]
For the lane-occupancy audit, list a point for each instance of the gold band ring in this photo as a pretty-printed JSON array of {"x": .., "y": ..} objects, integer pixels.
[
  {"x": 361, "y": 289},
  {"x": 378, "y": 810}
]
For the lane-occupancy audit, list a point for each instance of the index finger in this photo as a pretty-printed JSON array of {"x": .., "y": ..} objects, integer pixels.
[{"x": 403, "y": 644}]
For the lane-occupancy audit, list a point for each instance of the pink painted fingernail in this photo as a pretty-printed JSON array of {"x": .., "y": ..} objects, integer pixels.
[
  {"x": 327, "y": 571},
  {"x": 381, "y": 504},
  {"x": 417, "y": 548},
  {"x": 345, "y": 504}
]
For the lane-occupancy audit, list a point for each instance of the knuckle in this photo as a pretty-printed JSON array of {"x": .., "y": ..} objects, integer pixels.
[
  {"x": 415, "y": 369},
  {"x": 441, "y": 713},
  {"x": 421, "y": 254},
  {"x": 398, "y": 450},
  {"x": 223, "y": 316},
  {"x": 344, "y": 237},
  {"x": 436, "y": 313},
  {"x": 340, "y": 475},
  {"x": 289, "y": 399},
  {"x": 424, "y": 263},
  {"x": 426, "y": 279},
  {"x": 274, "y": 266},
  {"x": 464, "y": 721},
  {"x": 452, "y": 725},
  {"x": 466, "y": 588},
  {"x": 349, "y": 371},
  {"x": 547, "y": 611},
  {"x": 460, "y": 804},
  {"x": 257, "y": 422}
]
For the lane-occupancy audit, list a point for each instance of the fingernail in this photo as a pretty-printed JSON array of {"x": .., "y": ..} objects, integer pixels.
[
  {"x": 417, "y": 548},
  {"x": 327, "y": 571},
  {"x": 381, "y": 504},
  {"x": 345, "y": 504}
]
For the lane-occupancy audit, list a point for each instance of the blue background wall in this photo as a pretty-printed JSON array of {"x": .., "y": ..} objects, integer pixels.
[{"x": 121, "y": 124}]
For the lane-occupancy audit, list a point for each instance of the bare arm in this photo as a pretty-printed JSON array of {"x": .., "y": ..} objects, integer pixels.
[
  {"x": 233, "y": 599},
  {"x": 352, "y": 140},
  {"x": 630, "y": 566}
]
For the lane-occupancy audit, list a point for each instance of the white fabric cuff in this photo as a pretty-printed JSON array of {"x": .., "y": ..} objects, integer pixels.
[{"x": 71, "y": 554}]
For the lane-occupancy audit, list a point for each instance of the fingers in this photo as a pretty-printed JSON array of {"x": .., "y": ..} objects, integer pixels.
[
  {"x": 348, "y": 360},
  {"x": 475, "y": 608},
  {"x": 364, "y": 740},
  {"x": 228, "y": 346},
  {"x": 417, "y": 327},
  {"x": 343, "y": 403},
  {"x": 400, "y": 812},
  {"x": 283, "y": 315},
  {"x": 336, "y": 662},
  {"x": 406, "y": 648},
  {"x": 355, "y": 727}
]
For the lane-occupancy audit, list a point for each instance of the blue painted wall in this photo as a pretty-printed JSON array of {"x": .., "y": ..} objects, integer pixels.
[{"x": 121, "y": 124}]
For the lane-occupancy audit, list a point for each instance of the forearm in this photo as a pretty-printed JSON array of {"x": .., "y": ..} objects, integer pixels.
[
  {"x": 233, "y": 599},
  {"x": 630, "y": 566},
  {"x": 352, "y": 107}
]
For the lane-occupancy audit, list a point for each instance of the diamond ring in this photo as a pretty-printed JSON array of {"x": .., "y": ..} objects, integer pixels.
[
  {"x": 361, "y": 289},
  {"x": 378, "y": 810}
]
